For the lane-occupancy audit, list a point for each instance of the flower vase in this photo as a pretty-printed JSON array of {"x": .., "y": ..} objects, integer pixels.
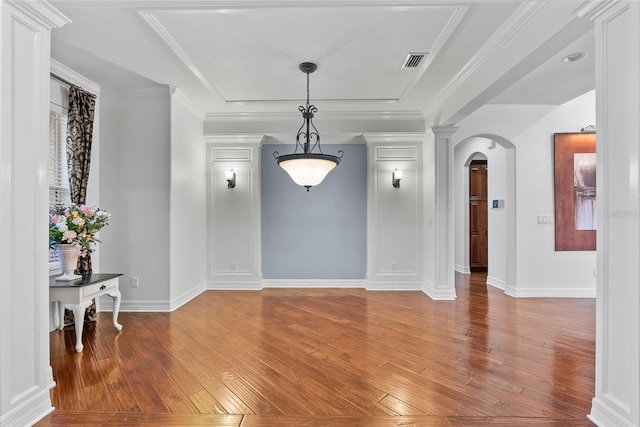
[{"x": 68, "y": 255}]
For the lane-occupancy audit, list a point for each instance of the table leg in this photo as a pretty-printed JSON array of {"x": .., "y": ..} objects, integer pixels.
[
  {"x": 78, "y": 313},
  {"x": 60, "y": 307},
  {"x": 116, "y": 308}
]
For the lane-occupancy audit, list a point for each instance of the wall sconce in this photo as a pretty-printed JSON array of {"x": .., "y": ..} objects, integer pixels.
[
  {"x": 230, "y": 176},
  {"x": 396, "y": 176}
]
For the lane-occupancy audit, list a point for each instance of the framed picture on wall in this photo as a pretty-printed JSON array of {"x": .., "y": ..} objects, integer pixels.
[{"x": 575, "y": 191}]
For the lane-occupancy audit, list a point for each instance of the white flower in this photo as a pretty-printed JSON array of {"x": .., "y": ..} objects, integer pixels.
[
  {"x": 62, "y": 224},
  {"x": 78, "y": 221},
  {"x": 69, "y": 235}
]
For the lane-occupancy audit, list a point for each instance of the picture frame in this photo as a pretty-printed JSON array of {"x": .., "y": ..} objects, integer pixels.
[{"x": 575, "y": 191}]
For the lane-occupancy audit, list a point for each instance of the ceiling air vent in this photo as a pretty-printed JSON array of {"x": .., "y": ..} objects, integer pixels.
[{"x": 414, "y": 60}]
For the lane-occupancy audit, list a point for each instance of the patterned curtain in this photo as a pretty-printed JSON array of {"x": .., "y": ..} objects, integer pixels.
[{"x": 79, "y": 138}]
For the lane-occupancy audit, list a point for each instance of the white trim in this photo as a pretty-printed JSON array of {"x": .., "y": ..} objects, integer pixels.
[
  {"x": 77, "y": 79},
  {"x": 496, "y": 283},
  {"x": 393, "y": 286},
  {"x": 463, "y": 269},
  {"x": 186, "y": 102},
  {"x": 187, "y": 296},
  {"x": 176, "y": 48},
  {"x": 500, "y": 37},
  {"x": 312, "y": 283},
  {"x": 550, "y": 292},
  {"x": 31, "y": 410},
  {"x": 232, "y": 139},
  {"x": 137, "y": 306},
  {"x": 327, "y": 115},
  {"x": 591, "y": 9},
  {"x": 43, "y": 12},
  {"x": 151, "y": 91},
  {"x": 393, "y": 138},
  {"x": 438, "y": 294},
  {"x": 603, "y": 415},
  {"x": 215, "y": 285}
]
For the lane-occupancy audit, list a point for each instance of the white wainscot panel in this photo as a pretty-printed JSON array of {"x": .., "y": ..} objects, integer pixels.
[
  {"x": 232, "y": 213},
  {"x": 397, "y": 217}
]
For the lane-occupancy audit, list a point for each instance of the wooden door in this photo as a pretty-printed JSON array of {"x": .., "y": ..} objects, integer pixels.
[{"x": 478, "y": 238}]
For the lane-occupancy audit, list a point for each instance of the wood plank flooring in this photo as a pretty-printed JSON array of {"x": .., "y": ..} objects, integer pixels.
[{"x": 333, "y": 357}]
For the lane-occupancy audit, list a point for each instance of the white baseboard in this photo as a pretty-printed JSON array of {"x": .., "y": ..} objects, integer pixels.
[
  {"x": 30, "y": 411},
  {"x": 603, "y": 415},
  {"x": 234, "y": 286},
  {"x": 438, "y": 294},
  {"x": 550, "y": 292},
  {"x": 137, "y": 306},
  {"x": 312, "y": 283},
  {"x": 496, "y": 283},
  {"x": 181, "y": 300},
  {"x": 393, "y": 286},
  {"x": 462, "y": 269}
]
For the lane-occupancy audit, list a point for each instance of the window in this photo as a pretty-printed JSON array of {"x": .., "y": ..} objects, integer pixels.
[{"x": 59, "y": 192}]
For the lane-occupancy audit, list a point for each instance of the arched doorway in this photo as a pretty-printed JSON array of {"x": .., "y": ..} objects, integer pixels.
[{"x": 501, "y": 212}]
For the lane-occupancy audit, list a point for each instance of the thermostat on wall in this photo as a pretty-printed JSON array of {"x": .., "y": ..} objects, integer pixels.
[{"x": 498, "y": 204}]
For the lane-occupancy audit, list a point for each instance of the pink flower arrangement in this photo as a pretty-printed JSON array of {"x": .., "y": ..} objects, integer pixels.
[{"x": 76, "y": 224}]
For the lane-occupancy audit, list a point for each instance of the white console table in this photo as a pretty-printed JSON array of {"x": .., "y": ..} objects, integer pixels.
[{"x": 76, "y": 295}]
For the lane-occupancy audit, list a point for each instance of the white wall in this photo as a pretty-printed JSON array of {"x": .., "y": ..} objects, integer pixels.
[
  {"x": 135, "y": 184},
  {"x": 496, "y": 218},
  {"x": 25, "y": 373},
  {"x": 188, "y": 208},
  {"x": 541, "y": 271}
]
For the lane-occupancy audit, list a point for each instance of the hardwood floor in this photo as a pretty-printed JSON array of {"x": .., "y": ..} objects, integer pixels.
[{"x": 333, "y": 357}]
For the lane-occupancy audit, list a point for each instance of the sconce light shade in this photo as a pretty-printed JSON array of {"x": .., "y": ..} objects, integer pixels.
[
  {"x": 230, "y": 176},
  {"x": 396, "y": 176}
]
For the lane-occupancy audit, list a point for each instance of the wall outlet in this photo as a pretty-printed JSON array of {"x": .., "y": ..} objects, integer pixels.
[
  {"x": 233, "y": 265},
  {"x": 394, "y": 266},
  {"x": 135, "y": 282}
]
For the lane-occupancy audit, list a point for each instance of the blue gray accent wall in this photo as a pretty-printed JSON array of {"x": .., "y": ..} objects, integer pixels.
[{"x": 321, "y": 234}]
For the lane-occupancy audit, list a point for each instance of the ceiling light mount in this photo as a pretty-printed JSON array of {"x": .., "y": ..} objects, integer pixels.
[{"x": 308, "y": 168}]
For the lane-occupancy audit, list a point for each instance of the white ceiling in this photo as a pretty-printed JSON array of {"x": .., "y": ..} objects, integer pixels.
[{"x": 242, "y": 56}]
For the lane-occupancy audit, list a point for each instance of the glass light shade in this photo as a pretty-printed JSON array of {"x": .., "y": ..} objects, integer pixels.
[
  {"x": 308, "y": 170},
  {"x": 397, "y": 174},
  {"x": 228, "y": 175}
]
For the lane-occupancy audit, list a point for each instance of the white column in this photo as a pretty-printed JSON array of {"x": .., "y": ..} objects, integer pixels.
[
  {"x": 443, "y": 288},
  {"x": 25, "y": 374},
  {"x": 617, "y": 35}
]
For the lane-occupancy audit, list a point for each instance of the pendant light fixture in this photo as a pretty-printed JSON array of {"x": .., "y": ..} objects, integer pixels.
[{"x": 308, "y": 168}]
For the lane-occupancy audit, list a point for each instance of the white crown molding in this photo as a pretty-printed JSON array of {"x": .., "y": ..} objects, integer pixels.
[
  {"x": 328, "y": 138},
  {"x": 43, "y": 12},
  {"x": 120, "y": 91},
  {"x": 591, "y": 9},
  {"x": 176, "y": 48},
  {"x": 71, "y": 76},
  {"x": 525, "y": 12},
  {"x": 393, "y": 138},
  {"x": 329, "y": 115},
  {"x": 187, "y": 102},
  {"x": 234, "y": 139},
  {"x": 442, "y": 39}
]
